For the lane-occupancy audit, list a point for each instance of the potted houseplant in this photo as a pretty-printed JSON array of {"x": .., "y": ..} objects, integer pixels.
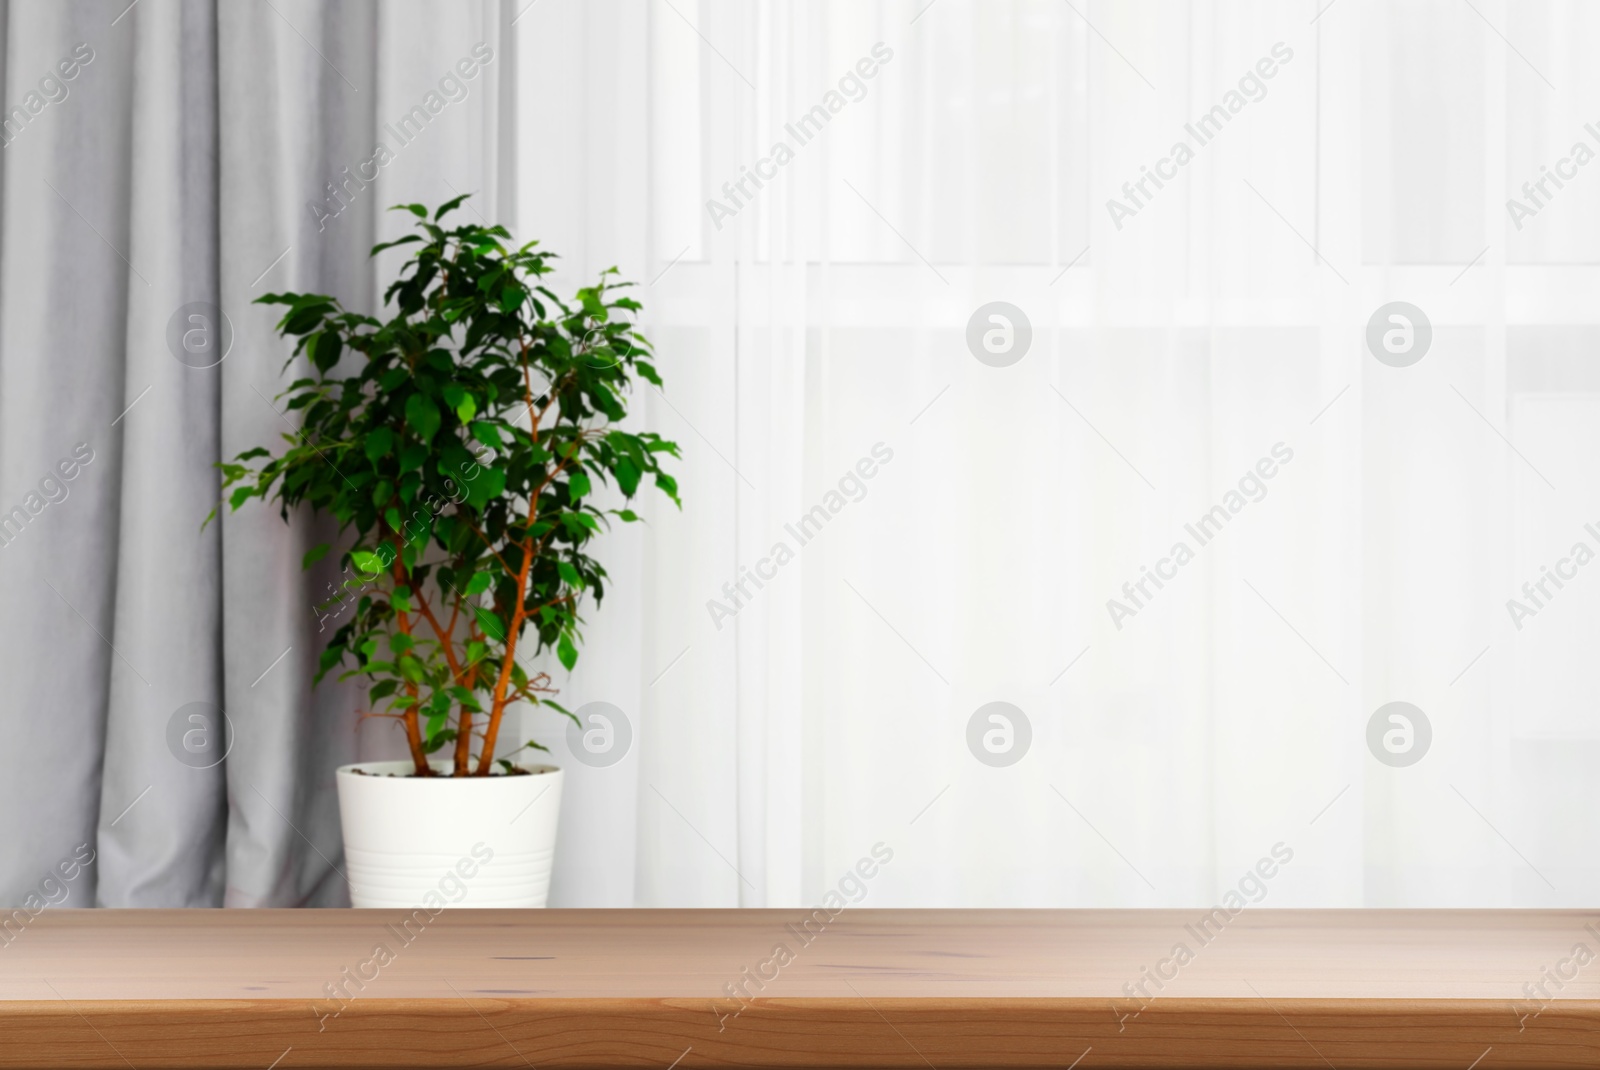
[{"x": 463, "y": 444}]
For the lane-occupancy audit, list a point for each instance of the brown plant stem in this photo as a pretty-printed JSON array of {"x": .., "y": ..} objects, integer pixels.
[
  {"x": 462, "y": 765},
  {"x": 497, "y": 707},
  {"x": 463, "y": 760}
]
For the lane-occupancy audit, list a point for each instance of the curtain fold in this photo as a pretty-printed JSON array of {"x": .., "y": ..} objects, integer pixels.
[{"x": 160, "y": 709}]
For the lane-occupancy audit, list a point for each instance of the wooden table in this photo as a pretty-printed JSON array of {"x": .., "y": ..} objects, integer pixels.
[{"x": 870, "y": 988}]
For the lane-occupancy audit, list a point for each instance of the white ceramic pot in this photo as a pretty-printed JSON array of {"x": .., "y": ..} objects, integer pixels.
[{"x": 468, "y": 841}]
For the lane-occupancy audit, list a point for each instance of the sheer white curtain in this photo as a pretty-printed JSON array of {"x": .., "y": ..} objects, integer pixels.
[{"x": 799, "y": 692}]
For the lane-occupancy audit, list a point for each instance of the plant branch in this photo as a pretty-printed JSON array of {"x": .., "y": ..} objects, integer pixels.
[
  {"x": 497, "y": 709},
  {"x": 444, "y": 635},
  {"x": 419, "y": 757},
  {"x": 486, "y": 542},
  {"x": 463, "y": 755}
]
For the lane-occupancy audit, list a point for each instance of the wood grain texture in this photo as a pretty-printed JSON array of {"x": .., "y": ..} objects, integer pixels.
[{"x": 867, "y": 988}]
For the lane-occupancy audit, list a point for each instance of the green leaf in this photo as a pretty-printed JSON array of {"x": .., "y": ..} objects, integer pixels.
[
  {"x": 569, "y": 575},
  {"x": 305, "y": 320},
  {"x": 315, "y": 554},
  {"x": 422, "y": 415},
  {"x": 489, "y": 624},
  {"x": 489, "y": 484},
  {"x": 480, "y": 582},
  {"x": 324, "y": 350},
  {"x": 511, "y": 297},
  {"x": 627, "y": 474},
  {"x": 367, "y": 561},
  {"x": 381, "y": 246},
  {"x": 448, "y": 206},
  {"x": 567, "y": 652},
  {"x": 379, "y": 442},
  {"x": 488, "y": 434},
  {"x": 562, "y": 710},
  {"x": 578, "y": 486}
]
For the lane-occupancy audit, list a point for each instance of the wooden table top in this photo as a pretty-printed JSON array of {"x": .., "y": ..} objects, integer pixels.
[{"x": 781, "y": 988}]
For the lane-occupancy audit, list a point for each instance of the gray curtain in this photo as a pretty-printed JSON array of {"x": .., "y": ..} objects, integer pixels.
[{"x": 163, "y": 166}]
